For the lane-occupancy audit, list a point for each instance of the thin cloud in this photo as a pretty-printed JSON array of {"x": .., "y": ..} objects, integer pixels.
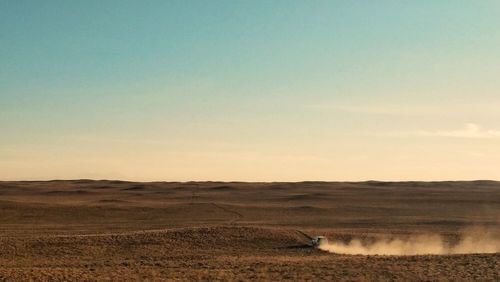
[
  {"x": 470, "y": 130},
  {"x": 391, "y": 109},
  {"x": 377, "y": 109}
]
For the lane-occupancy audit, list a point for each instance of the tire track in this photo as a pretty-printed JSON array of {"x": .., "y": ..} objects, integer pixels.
[
  {"x": 237, "y": 214},
  {"x": 304, "y": 234}
]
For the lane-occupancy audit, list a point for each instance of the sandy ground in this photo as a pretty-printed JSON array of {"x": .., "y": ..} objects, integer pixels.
[{"x": 86, "y": 230}]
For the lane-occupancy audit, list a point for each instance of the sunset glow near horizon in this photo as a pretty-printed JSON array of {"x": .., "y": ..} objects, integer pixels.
[{"x": 249, "y": 90}]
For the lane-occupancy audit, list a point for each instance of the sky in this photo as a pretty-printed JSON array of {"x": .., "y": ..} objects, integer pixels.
[{"x": 249, "y": 90}]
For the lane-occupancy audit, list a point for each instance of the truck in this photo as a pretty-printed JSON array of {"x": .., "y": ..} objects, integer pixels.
[{"x": 317, "y": 241}]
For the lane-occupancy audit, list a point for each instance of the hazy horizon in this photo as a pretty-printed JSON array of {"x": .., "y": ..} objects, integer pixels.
[
  {"x": 250, "y": 90},
  {"x": 245, "y": 181}
]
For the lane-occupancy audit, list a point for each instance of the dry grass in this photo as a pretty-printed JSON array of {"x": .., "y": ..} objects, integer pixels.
[{"x": 112, "y": 230}]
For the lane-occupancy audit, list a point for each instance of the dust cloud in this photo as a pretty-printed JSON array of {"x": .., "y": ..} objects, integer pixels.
[{"x": 476, "y": 241}]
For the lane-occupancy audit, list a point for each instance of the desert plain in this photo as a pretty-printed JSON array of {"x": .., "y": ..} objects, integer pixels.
[{"x": 86, "y": 230}]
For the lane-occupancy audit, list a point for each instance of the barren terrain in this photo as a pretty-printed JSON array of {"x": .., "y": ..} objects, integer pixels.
[{"x": 85, "y": 230}]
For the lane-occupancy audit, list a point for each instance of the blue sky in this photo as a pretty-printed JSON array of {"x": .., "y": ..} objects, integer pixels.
[{"x": 249, "y": 90}]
